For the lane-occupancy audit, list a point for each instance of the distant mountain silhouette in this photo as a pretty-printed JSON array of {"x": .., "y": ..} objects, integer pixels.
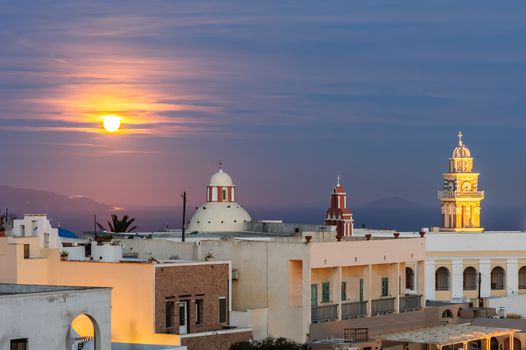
[
  {"x": 76, "y": 212},
  {"x": 394, "y": 202},
  {"x": 23, "y": 200}
]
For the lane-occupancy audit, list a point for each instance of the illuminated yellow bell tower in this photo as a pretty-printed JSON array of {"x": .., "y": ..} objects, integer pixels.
[{"x": 461, "y": 198}]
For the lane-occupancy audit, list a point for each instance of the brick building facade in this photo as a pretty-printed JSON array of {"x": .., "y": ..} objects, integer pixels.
[
  {"x": 193, "y": 300},
  {"x": 204, "y": 294}
]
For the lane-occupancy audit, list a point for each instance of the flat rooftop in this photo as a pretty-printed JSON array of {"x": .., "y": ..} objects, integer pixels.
[
  {"x": 175, "y": 236},
  {"x": 448, "y": 335},
  {"x": 14, "y": 289}
]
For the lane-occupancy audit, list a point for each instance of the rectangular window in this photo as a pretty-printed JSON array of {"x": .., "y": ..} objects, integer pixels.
[
  {"x": 314, "y": 294},
  {"x": 26, "y": 251},
  {"x": 183, "y": 316},
  {"x": 361, "y": 289},
  {"x": 199, "y": 311},
  {"x": 344, "y": 291},
  {"x": 325, "y": 292},
  {"x": 385, "y": 286},
  {"x": 169, "y": 313},
  {"x": 222, "y": 310},
  {"x": 19, "y": 344}
]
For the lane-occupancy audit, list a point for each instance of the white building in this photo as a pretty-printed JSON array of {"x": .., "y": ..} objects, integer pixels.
[
  {"x": 37, "y": 225},
  {"x": 51, "y": 317},
  {"x": 457, "y": 262}
]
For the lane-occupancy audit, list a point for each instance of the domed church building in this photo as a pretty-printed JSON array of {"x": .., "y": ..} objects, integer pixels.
[{"x": 221, "y": 212}]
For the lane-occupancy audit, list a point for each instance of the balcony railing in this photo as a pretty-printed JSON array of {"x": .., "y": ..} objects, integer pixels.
[
  {"x": 410, "y": 303},
  {"x": 453, "y": 194},
  {"x": 383, "y": 306},
  {"x": 354, "y": 309},
  {"x": 323, "y": 313},
  {"x": 356, "y": 335}
]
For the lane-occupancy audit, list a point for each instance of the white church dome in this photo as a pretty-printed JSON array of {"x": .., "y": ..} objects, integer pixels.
[
  {"x": 220, "y": 213},
  {"x": 220, "y": 179},
  {"x": 219, "y": 217}
]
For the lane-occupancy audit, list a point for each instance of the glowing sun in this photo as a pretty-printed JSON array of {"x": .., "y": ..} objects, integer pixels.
[{"x": 111, "y": 123}]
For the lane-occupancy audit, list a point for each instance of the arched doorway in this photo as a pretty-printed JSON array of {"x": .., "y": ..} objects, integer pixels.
[
  {"x": 474, "y": 345},
  {"x": 447, "y": 314},
  {"x": 517, "y": 344},
  {"x": 83, "y": 333},
  {"x": 494, "y": 344}
]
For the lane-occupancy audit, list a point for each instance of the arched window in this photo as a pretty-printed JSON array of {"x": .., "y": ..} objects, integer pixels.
[
  {"x": 497, "y": 278},
  {"x": 442, "y": 279},
  {"x": 447, "y": 314},
  {"x": 409, "y": 278},
  {"x": 522, "y": 278},
  {"x": 470, "y": 278}
]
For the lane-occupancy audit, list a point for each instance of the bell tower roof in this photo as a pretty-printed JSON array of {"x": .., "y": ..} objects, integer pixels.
[
  {"x": 461, "y": 151},
  {"x": 338, "y": 188}
]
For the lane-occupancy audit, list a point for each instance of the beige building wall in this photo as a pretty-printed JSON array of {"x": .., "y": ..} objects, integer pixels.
[
  {"x": 263, "y": 283},
  {"x": 352, "y": 275},
  {"x": 269, "y": 275},
  {"x": 388, "y": 271}
]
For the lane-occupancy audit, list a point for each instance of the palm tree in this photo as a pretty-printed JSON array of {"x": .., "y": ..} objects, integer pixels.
[
  {"x": 117, "y": 225},
  {"x": 6, "y": 221}
]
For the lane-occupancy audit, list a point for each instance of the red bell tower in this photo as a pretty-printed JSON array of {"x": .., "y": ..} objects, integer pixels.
[{"x": 338, "y": 214}]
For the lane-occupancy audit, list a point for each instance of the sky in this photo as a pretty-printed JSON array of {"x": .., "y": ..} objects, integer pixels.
[{"x": 287, "y": 93}]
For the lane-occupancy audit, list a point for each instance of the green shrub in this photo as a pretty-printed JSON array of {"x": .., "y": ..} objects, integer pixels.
[{"x": 270, "y": 344}]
